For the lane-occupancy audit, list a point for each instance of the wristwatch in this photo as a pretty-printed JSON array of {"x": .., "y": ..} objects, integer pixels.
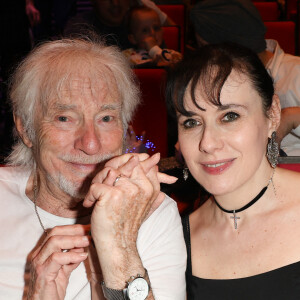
[{"x": 137, "y": 289}]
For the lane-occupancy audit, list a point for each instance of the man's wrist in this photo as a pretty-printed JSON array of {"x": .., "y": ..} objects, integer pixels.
[{"x": 137, "y": 287}]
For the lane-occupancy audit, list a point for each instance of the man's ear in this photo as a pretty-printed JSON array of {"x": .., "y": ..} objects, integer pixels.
[
  {"x": 132, "y": 39},
  {"x": 275, "y": 114},
  {"x": 21, "y": 131}
]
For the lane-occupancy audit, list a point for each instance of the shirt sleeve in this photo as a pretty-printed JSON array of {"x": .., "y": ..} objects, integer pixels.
[{"x": 162, "y": 250}]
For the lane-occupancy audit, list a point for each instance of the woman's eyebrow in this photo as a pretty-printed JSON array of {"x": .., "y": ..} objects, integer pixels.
[{"x": 229, "y": 106}]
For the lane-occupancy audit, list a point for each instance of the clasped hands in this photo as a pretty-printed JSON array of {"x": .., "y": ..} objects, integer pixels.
[{"x": 120, "y": 207}]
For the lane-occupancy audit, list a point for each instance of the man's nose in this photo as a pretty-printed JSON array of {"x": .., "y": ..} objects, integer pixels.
[{"x": 88, "y": 140}]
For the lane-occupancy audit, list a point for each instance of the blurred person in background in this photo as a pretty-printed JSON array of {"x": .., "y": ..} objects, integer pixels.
[
  {"x": 109, "y": 20},
  {"x": 146, "y": 34}
]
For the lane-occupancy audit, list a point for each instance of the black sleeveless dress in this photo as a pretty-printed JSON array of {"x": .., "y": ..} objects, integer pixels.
[{"x": 278, "y": 284}]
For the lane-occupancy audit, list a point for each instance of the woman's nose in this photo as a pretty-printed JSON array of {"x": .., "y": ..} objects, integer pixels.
[{"x": 211, "y": 140}]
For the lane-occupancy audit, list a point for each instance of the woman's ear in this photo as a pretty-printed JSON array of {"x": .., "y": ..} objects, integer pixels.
[
  {"x": 275, "y": 114},
  {"x": 21, "y": 131}
]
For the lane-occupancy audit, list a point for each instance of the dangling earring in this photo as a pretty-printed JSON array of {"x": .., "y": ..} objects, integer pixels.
[
  {"x": 273, "y": 150},
  {"x": 185, "y": 172}
]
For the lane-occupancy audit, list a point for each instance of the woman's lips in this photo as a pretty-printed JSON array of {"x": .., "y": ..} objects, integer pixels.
[{"x": 216, "y": 167}]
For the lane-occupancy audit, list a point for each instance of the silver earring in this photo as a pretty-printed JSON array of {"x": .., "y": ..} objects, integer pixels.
[
  {"x": 185, "y": 172},
  {"x": 273, "y": 150}
]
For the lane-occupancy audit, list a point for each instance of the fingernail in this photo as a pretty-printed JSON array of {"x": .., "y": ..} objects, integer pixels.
[
  {"x": 84, "y": 254},
  {"x": 85, "y": 239},
  {"x": 157, "y": 154}
]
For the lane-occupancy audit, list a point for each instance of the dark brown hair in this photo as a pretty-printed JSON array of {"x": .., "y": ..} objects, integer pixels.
[{"x": 210, "y": 67}]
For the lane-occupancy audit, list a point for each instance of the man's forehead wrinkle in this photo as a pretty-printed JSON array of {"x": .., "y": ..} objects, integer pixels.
[
  {"x": 116, "y": 106},
  {"x": 64, "y": 106},
  {"x": 92, "y": 87},
  {"x": 60, "y": 106}
]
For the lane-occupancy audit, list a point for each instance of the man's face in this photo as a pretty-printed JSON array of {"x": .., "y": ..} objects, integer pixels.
[
  {"x": 112, "y": 12},
  {"x": 76, "y": 133}
]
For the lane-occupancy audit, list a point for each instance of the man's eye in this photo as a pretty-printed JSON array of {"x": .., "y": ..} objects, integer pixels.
[
  {"x": 107, "y": 118},
  {"x": 62, "y": 119},
  {"x": 231, "y": 116},
  {"x": 190, "y": 123}
]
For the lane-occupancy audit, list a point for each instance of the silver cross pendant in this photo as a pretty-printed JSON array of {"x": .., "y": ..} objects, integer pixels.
[{"x": 234, "y": 217}]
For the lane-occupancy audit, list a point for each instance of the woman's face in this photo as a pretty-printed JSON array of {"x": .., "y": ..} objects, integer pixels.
[{"x": 224, "y": 147}]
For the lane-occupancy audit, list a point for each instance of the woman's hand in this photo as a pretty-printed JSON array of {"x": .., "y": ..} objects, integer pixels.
[{"x": 53, "y": 262}]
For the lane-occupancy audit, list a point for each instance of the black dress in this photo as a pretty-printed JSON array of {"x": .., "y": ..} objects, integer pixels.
[{"x": 278, "y": 284}]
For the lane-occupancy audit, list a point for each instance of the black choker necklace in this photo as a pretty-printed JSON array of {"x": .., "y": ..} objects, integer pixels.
[{"x": 234, "y": 211}]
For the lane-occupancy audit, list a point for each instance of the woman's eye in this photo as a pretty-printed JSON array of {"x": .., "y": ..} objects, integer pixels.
[
  {"x": 62, "y": 119},
  {"x": 231, "y": 116},
  {"x": 107, "y": 118},
  {"x": 190, "y": 123}
]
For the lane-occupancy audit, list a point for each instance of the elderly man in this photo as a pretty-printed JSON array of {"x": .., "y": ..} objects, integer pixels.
[{"x": 72, "y": 101}]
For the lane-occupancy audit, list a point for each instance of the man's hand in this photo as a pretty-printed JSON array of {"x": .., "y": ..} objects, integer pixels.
[
  {"x": 53, "y": 262},
  {"x": 120, "y": 209}
]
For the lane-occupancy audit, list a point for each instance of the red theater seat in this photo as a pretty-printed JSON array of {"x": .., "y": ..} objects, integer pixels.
[
  {"x": 268, "y": 10},
  {"x": 172, "y": 37},
  {"x": 293, "y": 167},
  {"x": 291, "y": 9},
  {"x": 284, "y": 33},
  {"x": 177, "y": 13},
  {"x": 151, "y": 116}
]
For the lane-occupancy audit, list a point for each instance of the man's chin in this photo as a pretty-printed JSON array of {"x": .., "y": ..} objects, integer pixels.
[{"x": 74, "y": 189}]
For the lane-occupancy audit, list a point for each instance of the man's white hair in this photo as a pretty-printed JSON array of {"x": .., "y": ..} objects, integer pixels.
[{"x": 50, "y": 68}]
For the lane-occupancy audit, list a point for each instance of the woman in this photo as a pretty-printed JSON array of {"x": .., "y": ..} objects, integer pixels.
[{"x": 244, "y": 241}]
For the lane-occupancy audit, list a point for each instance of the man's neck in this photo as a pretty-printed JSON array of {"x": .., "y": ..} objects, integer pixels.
[{"x": 61, "y": 205}]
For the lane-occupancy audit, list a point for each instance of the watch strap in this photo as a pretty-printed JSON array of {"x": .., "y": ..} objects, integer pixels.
[{"x": 112, "y": 294}]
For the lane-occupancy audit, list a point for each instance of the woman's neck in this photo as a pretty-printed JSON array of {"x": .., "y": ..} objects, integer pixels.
[{"x": 243, "y": 195}]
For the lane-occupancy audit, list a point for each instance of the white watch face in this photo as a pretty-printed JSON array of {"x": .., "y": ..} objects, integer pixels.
[{"x": 138, "y": 289}]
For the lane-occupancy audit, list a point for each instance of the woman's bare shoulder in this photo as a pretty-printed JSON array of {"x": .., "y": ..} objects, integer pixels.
[{"x": 288, "y": 183}]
